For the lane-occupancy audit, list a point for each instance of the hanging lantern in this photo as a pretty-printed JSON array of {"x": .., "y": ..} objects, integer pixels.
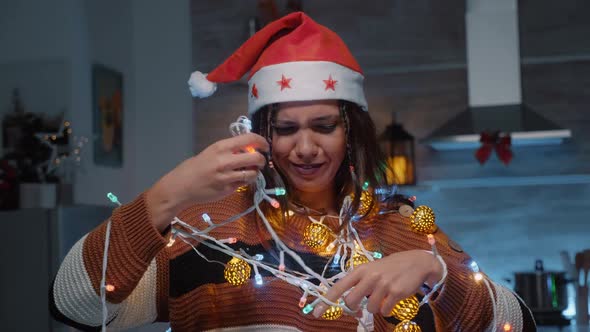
[{"x": 398, "y": 147}]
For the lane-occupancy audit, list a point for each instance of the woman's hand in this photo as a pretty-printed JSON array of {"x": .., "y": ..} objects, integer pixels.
[
  {"x": 385, "y": 281},
  {"x": 211, "y": 175}
]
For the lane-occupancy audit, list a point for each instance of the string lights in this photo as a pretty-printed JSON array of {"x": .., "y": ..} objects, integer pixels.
[{"x": 349, "y": 253}]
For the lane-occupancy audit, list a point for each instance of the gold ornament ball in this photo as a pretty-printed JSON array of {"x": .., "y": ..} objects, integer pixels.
[
  {"x": 242, "y": 189},
  {"x": 357, "y": 260},
  {"x": 237, "y": 272},
  {"x": 332, "y": 313},
  {"x": 407, "y": 326},
  {"x": 406, "y": 309},
  {"x": 366, "y": 203},
  {"x": 316, "y": 235},
  {"x": 422, "y": 220}
]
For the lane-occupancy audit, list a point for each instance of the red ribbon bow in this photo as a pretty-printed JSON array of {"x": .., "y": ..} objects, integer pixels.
[{"x": 494, "y": 141}]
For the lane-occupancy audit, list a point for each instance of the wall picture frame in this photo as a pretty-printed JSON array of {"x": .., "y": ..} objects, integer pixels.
[{"x": 108, "y": 111}]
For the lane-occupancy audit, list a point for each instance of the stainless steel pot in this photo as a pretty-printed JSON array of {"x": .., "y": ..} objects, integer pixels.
[{"x": 542, "y": 291}]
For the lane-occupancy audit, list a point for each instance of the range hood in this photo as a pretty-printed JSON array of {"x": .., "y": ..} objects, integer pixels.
[{"x": 494, "y": 88}]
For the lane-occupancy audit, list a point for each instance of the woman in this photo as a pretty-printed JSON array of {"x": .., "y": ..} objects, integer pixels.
[{"x": 314, "y": 137}]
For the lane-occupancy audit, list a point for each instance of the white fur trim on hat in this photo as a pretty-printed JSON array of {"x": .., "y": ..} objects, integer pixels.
[
  {"x": 200, "y": 86},
  {"x": 307, "y": 80}
]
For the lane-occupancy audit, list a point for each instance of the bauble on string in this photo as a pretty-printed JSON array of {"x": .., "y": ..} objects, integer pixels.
[
  {"x": 422, "y": 220},
  {"x": 237, "y": 272},
  {"x": 366, "y": 206},
  {"x": 333, "y": 313},
  {"x": 357, "y": 259},
  {"x": 407, "y": 326},
  {"x": 316, "y": 235},
  {"x": 406, "y": 309}
]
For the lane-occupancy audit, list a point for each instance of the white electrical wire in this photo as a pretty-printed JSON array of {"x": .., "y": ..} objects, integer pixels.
[
  {"x": 348, "y": 241},
  {"x": 103, "y": 297}
]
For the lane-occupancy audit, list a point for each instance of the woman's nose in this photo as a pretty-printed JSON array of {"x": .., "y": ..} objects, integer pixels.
[{"x": 306, "y": 148}]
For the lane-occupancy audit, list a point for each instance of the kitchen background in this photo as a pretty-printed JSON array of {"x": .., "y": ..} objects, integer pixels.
[{"x": 415, "y": 57}]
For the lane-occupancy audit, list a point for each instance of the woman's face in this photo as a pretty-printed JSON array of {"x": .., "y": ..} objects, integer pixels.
[{"x": 308, "y": 144}]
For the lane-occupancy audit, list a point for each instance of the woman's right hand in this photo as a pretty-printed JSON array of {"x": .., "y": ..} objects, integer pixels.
[{"x": 209, "y": 176}]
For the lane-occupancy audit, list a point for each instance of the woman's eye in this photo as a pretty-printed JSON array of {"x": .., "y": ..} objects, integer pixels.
[
  {"x": 325, "y": 129},
  {"x": 285, "y": 130}
]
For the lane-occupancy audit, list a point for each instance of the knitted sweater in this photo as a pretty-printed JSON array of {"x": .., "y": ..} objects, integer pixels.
[{"x": 153, "y": 282}]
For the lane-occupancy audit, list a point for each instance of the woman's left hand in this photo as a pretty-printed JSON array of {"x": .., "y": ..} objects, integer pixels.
[{"x": 385, "y": 282}]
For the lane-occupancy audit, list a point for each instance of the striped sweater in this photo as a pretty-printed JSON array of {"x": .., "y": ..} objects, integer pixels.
[{"x": 153, "y": 282}]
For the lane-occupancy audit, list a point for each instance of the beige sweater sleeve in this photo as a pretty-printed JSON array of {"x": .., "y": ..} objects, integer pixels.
[{"x": 137, "y": 269}]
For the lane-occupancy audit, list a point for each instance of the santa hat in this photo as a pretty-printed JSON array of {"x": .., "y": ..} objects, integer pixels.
[{"x": 291, "y": 59}]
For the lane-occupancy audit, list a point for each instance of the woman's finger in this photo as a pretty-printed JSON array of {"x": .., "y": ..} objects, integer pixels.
[
  {"x": 377, "y": 297},
  {"x": 246, "y": 142},
  {"x": 243, "y": 160},
  {"x": 363, "y": 289},
  {"x": 336, "y": 291},
  {"x": 242, "y": 177},
  {"x": 388, "y": 303}
]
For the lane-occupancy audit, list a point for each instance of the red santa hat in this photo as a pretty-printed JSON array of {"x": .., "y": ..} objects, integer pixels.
[{"x": 291, "y": 59}]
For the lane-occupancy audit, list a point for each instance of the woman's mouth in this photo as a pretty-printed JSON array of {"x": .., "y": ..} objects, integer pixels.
[{"x": 307, "y": 170}]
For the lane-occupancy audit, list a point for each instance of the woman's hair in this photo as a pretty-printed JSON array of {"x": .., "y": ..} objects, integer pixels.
[{"x": 363, "y": 163}]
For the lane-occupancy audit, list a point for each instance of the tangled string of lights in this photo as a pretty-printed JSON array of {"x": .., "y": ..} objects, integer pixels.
[{"x": 349, "y": 254}]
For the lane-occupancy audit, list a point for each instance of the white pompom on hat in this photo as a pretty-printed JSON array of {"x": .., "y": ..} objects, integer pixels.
[{"x": 291, "y": 59}]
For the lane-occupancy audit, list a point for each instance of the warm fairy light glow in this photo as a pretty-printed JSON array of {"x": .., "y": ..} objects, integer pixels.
[
  {"x": 171, "y": 242},
  {"x": 478, "y": 276},
  {"x": 332, "y": 313},
  {"x": 237, "y": 272},
  {"x": 431, "y": 239},
  {"x": 250, "y": 149},
  {"x": 109, "y": 288},
  {"x": 406, "y": 309},
  {"x": 423, "y": 220},
  {"x": 316, "y": 235},
  {"x": 407, "y": 326},
  {"x": 242, "y": 189},
  {"x": 357, "y": 259},
  {"x": 275, "y": 204},
  {"x": 507, "y": 327},
  {"x": 302, "y": 301}
]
